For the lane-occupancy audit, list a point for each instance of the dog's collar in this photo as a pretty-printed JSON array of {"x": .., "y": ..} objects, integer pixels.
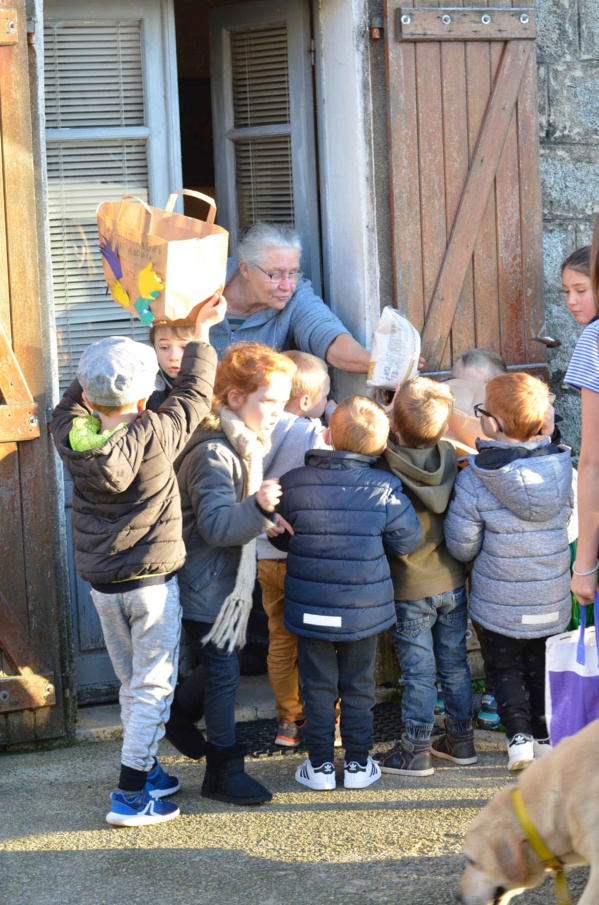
[{"x": 551, "y": 861}]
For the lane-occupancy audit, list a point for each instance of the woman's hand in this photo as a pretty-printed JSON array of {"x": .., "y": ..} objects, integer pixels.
[
  {"x": 583, "y": 587},
  {"x": 269, "y": 494},
  {"x": 280, "y": 527},
  {"x": 212, "y": 312}
]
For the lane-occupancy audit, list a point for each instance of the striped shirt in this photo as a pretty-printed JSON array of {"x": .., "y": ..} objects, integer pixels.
[{"x": 583, "y": 370}]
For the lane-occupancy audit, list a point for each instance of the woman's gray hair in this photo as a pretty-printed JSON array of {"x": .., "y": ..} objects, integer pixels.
[{"x": 261, "y": 236}]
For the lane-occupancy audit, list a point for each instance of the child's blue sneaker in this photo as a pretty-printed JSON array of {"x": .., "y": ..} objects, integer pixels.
[
  {"x": 440, "y": 705},
  {"x": 487, "y": 717},
  {"x": 140, "y": 810},
  {"x": 159, "y": 784}
]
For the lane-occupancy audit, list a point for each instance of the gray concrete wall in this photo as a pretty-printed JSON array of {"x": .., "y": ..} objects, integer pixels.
[
  {"x": 568, "y": 64},
  {"x": 568, "y": 72}
]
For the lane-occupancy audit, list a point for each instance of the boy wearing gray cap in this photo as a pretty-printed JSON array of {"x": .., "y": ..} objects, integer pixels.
[{"x": 127, "y": 532}]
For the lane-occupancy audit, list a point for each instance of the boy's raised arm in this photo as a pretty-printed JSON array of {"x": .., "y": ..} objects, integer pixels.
[
  {"x": 191, "y": 397},
  {"x": 70, "y": 406}
]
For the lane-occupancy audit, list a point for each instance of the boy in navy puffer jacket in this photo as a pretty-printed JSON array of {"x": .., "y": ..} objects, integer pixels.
[{"x": 338, "y": 589}]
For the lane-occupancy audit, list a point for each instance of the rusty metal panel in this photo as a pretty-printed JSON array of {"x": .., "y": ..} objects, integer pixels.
[{"x": 451, "y": 23}]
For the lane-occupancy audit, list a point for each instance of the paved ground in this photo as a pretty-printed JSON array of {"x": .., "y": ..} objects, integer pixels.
[{"x": 397, "y": 842}]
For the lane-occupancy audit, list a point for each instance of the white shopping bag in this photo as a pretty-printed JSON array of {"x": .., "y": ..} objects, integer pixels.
[{"x": 572, "y": 679}]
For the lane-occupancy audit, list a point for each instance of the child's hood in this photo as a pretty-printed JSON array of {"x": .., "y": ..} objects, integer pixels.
[
  {"x": 112, "y": 467},
  {"x": 533, "y": 480},
  {"x": 428, "y": 473}
]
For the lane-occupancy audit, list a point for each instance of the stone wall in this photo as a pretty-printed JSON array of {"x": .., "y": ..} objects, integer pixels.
[{"x": 568, "y": 62}]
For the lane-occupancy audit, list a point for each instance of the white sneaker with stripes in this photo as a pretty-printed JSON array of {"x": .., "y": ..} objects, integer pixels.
[
  {"x": 322, "y": 778},
  {"x": 355, "y": 776}
]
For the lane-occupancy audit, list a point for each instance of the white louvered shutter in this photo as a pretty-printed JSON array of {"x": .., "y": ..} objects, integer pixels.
[
  {"x": 98, "y": 132},
  {"x": 263, "y": 164},
  {"x": 265, "y": 155}
]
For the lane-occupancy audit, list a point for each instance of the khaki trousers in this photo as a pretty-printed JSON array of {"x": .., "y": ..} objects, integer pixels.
[{"x": 282, "y": 645}]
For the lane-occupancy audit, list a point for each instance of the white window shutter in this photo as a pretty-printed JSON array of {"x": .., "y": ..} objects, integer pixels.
[
  {"x": 99, "y": 127},
  {"x": 263, "y": 120}
]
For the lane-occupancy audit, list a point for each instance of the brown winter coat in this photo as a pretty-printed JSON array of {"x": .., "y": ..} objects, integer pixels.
[{"x": 126, "y": 505}]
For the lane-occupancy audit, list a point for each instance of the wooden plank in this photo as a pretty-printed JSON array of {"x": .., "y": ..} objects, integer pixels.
[
  {"x": 470, "y": 24},
  {"x": 9, "y": 33},
  {"x": 404, "y": 173},
  {"x": 509, "y": 250},
  {"x": 19, "y": 422},
  {"x": 430, "y": 161},
  {"x": 531, "y": 219},
  {"x": 16, "y": 643},
  {"x": 480, "y": 81},
  {"x": 474, "y": 199},
  {"x": 26, "y": 692},
  {"x": 455, "y": 139},
  {"x": 36, "y": 606},
  {"x": 13, "y": 385}
]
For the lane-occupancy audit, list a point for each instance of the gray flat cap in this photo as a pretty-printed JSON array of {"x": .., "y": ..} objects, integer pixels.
[{"x": 116, "y": 371}]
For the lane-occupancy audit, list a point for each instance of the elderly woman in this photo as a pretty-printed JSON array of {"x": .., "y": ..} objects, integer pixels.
[{"x": 270, "y": 301}]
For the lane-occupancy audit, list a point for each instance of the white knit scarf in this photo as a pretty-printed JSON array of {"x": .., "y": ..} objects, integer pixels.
[{"x": 229, "y": 630}]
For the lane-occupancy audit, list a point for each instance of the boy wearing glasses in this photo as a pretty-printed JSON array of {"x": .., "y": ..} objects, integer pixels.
[{"x": 510, "y": 515}]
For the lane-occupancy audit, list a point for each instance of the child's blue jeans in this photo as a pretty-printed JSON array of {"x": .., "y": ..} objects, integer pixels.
[{"x": 430, "y": 641}]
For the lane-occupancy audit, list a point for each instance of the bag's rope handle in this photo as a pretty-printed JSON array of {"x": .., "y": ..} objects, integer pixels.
[{"x": 170, "y": 204}]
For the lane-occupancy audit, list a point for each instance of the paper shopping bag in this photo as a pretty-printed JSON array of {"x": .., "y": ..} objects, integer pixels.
[
  {"x": 572, "y": 680},
  {"x": 160, "y": 265}
]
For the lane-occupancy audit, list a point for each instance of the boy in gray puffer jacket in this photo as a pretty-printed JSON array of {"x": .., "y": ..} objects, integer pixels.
[{"x": 510, "y": 515}]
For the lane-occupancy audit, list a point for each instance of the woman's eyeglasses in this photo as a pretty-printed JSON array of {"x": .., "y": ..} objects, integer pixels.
[{"x": 277, "y": 276}]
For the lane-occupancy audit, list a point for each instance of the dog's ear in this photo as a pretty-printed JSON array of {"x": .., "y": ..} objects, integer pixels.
[{"x": 511, "y": 858}]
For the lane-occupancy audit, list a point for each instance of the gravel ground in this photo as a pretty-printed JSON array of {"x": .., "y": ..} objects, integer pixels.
[{"x": 398, "y": 841}]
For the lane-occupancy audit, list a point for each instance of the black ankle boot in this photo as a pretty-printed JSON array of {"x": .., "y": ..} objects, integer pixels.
[
  {"x": 226, "y": 780},
  {"x": 184, "y": 735}
]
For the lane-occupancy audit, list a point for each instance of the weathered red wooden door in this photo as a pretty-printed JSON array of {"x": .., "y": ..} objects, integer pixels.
[
  {"x": 30, "y": 686},
  {"x": 465, "y": 184}
]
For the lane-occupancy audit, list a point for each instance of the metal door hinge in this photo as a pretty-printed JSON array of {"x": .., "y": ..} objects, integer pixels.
[
  {"x": 313, "y": 51},
  {"x": 376, "y": 27}
]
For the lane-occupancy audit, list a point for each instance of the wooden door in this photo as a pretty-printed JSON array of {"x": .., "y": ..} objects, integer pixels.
[
  {"x": 465, "y": 184},
  {"x": 31, "y": 693}
]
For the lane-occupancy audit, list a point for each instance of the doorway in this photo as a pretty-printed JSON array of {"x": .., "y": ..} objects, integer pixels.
[{"x": 244, "y": 86}]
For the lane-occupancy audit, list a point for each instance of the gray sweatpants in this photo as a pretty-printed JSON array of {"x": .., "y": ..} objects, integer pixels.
[{"x": 142, "y": 629}]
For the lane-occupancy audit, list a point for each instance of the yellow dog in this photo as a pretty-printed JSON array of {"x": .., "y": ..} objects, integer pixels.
[{"x": 560, "y": 797}]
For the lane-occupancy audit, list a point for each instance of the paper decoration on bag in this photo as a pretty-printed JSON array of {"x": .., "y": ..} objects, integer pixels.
[
  {"x": 395, "y": 351},
  {"x": 111, "y": 257},
  {"x": 160, "y": 265}
]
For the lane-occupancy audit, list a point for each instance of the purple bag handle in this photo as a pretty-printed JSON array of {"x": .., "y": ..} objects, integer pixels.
[{"x": 580, "y": 651}]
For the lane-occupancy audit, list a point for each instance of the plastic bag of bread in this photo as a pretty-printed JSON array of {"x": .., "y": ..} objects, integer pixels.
[{"x": 395, "y": 351}]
